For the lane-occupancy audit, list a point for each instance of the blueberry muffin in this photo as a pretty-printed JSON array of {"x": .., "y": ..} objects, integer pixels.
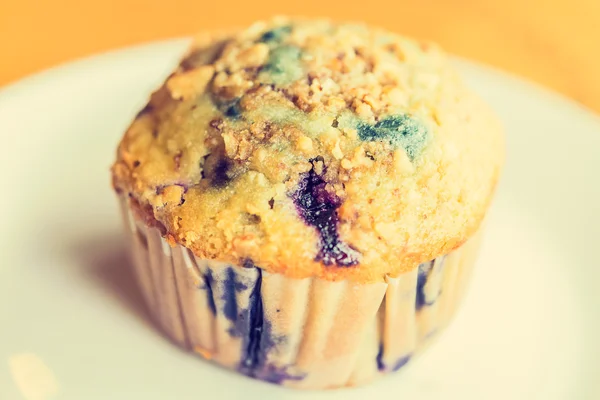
[{"x": 304, "y": 199}]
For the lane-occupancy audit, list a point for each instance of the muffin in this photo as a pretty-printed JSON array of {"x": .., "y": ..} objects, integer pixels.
[{"x": 304, "y": 199}]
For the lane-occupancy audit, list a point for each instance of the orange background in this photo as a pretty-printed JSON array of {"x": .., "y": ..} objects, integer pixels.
[{"x": 555, "y": 42}]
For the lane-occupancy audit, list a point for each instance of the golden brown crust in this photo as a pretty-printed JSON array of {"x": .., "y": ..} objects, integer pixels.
[{"x": 313, "y": 149}]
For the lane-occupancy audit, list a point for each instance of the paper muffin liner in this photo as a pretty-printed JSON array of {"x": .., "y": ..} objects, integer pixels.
[{"x": 305, "y": 333}]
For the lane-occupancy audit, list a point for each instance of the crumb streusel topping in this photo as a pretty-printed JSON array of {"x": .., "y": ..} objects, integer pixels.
[{"x": 313, "y": 148}]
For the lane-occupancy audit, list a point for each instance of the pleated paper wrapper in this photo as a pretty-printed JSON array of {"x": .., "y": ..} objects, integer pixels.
[{"x": 304, "y": 333}]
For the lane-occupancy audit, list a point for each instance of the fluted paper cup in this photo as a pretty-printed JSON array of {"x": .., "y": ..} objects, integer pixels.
[{"x": 304, "y": 333}]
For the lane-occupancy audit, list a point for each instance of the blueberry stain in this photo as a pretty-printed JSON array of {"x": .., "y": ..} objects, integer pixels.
[
  {"x": 202, "y": 164},
  {"x": 220, "y": 177},
  {"x": 318, "y": 208},
  {"x": 230, "y": 288},
  {"x": 255, "y": 328},
  {"x": 399, "y": 130},
  {"x": 284, "y": 65},
  {"x": 233, "y": 110},
  {"x": 229, "y": 108},
  {"x": 379, "y": 358},
  {"x": 401, "y": 362},
  {"x": 276, "y": 35},
  {"x": 208, "y": 284},
  {"x": 275, "y": 374},
  {"x": 248, "y": 322},
  {"x": 146, "y": 110},
  {"x": 424, "y": 272},
  {"x": 282, "y": 57},
  {"x": 259, "y": 341}
]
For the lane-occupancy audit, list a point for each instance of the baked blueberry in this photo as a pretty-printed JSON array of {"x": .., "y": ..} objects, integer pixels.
[
  {"x": 317, "y": 206},
  {"x": 399, "y": 130}
]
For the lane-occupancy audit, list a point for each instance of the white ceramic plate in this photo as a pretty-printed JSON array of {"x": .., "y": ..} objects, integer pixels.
[{"x": 72, "y": 325}]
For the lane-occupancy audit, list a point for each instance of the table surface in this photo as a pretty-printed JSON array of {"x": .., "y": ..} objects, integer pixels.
[{"x": 553, "y": 42}]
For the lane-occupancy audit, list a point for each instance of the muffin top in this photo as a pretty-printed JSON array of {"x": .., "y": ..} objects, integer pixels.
[{"x": 313, "y": 149}]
